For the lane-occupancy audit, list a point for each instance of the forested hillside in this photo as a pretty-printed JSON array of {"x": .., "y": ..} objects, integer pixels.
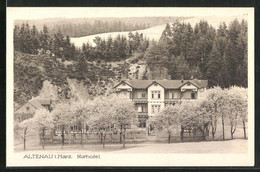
[
  {"x": 202, "y": 52},
  {"x": 77, "y": 27}
]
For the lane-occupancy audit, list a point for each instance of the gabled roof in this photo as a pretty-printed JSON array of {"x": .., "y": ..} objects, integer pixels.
[
  {"x": 121, "y": 83},
  {"x": 38, "y": 102},
  {"x": 167, "y": 84},
  {"x": 35, "y": 103}
]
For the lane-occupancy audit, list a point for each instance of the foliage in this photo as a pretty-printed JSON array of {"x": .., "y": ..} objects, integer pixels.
[
  {"x": 23, "y": 129},
  {"x": 237, "y": 107},
  {"x": 43, "y": 121},
  {"x": 49, "y": 91},
  {"x": 123, "y": 111},
  {"x": 217, "y": 55},
  {"x": 167, "y": 121},
  {"x": 78, "y": 27}
]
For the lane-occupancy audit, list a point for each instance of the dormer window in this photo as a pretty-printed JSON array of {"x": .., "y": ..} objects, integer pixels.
[{"x": 156, "y": 94}]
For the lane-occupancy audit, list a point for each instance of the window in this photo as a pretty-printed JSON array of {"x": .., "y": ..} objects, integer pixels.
[
  {"x": 156, "y": 94},
  {"x": 142, "y": 124},
  {"x": 139, "y": 108},
  {"x": 192, "y": 95},
  {"x": 170, "y": 95},
  {"x": 143, "y": 95},
  {"x": 27, "y": 108},
  {"x": 174, "y": 95},
  {"x": 156, "y": 108},
  {"x": 142, "y": 108},
  {"x": 188, "y": 84}
]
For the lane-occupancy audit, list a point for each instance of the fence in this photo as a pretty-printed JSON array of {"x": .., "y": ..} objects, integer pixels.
[{"x": 131, "y": 136}]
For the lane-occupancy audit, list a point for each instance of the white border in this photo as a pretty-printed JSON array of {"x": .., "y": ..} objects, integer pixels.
[{"x": 110, "y": 159}]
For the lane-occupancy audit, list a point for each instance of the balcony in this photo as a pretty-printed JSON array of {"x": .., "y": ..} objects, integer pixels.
[
  {"x": 143, "y": 114},
  {"x": 140, "y": 100},
  {"x": 171, "y": 100}
]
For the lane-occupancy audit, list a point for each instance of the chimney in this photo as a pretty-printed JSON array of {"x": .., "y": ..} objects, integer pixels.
[
  {"x": 182, "y": 79},
  {"x": 191, "y": 77}
]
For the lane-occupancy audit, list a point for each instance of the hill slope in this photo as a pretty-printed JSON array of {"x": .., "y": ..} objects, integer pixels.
[
  {"x": 154, "y": 33},
  {"x": 30, "y": 71}
]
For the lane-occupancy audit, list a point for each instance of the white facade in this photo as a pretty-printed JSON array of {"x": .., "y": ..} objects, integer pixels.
[{"x": 155, "y": 99}]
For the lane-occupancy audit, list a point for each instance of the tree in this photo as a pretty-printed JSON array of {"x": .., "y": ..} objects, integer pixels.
[
  {"x": 45, "y": 39},
  {"x": 49, "y": 90},
  {"x": 62, "y": 115},
  {"x": 43, "y": 121},
  {"x": 35, "y": 40},
  {"x": 23, "y": 129},
  {"x": 123, "y": 112},
  {"x": 178, "y": 67},
  {"x": 102, "y": 120},
  {"x": 17, "y": 38},
  {"x": 237, "y": 107},
  {"x": 192, "y": 117},
  {"x": 81, "y": 113},
  {"x": 216, "y": 98},
  {"x": 59, "y": 44},
  {"x": 202, "y": 117},
  {"x": 167, "y": 121},
  {"x": 216, "y": 65},
  {"x": 79, "y": 92}
]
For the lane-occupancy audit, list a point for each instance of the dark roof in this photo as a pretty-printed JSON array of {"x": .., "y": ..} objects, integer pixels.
[{"x": 167, "y": 84}]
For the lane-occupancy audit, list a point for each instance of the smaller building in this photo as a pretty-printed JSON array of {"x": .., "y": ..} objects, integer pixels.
[{"x": 28, "y": 109}]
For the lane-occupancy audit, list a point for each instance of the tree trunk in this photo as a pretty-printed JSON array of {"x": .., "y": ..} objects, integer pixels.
[
  {"x": 169, "y": 139},
  {"x": 101, "y": 138},
  {"x": 52, "y": 134},
  {"x": 104, "y": 140},
  {"x": 121, "y": 130},
  {"x": 62, "y": 137},
  {"x": 182, "y": 134},
  {"x": 223, "y": 128},
  {"x": 24, "y": 139},
  {"x": 189, "y": 135},
  {"x": 69, "y": 134},
  {"x": 43, "y": 135},
  {"x": 203, "y": 133},
  {"x": 244, "y": 128},
  {"x": 207, "y": 132},
  {"x": 81, "y": 138},
  {"x": 231, "y": 128},
  {"x": 124, "y": 138}
]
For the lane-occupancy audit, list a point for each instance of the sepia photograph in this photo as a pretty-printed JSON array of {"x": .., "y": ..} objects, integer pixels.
[{"x": 130, "y": 86}]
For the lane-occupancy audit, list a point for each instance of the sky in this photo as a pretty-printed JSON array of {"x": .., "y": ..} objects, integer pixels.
[{"x": 82, "y": 12}]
